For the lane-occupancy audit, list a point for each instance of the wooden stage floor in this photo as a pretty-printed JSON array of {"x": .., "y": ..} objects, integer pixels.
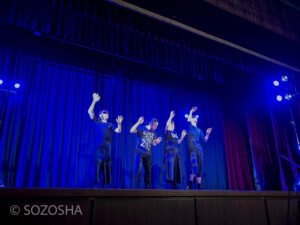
[{"x": 145, "y": 207}]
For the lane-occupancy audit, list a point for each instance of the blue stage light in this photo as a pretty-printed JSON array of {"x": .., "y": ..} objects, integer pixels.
[
  {"x": 276, "y": 83},
  {"x": 37, "y": 33},
  {"x": 279, "y": 98},
  {"x": 288, "y": 97},
  {"x": 17, "y": 85},
  {"x": 1, "y": 81},
  {"x": 284, "y": 78}
]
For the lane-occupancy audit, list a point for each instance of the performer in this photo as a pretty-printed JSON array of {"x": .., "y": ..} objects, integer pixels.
[
  {"x": 143, "y": 157},
  {"x": 102, "y": 143},
  {"x": 195, "y": 149},
  {"x": 172, "y": 167}
]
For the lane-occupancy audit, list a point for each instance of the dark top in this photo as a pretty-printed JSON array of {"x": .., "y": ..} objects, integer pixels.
[
  {"x": 145, "y": 139},
  {"x": 171, "y": 141},
  {"x": 193, "y": 138},
  {"x": 103, "y": 133}
]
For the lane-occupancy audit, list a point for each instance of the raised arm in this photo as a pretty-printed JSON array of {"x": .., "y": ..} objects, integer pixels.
[
  {"x": 119, "y": 121},
  {"x": 190, "y": 116},
  {"x": 134, "y": 127},
  {"x": 168, "y": 124},
  {"x": 96, "y": 98}
]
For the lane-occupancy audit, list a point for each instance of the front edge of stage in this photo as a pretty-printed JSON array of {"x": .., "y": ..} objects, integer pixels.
[{"x": 115, "y": 206}]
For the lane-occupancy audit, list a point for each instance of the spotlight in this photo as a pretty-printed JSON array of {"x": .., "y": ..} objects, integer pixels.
[
  {"x": 276, "y": 83},
  {"x": 17, "y": 85},
  {"x": 279, "y": 98},
  {"x": 37, "y": 33},
  {"x": 284, "y": 78},
  {"x": 1, "y": 81},
  {"x": 288, "y": 97}
]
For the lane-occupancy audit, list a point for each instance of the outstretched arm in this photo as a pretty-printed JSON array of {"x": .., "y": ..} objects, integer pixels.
[
  {"x": 134, "y": 127},
  {"x": 96, "y": 98},
  {"x": 208, "y": 131},
  {"x": 168, "y": 124},
  {"x": 119, "y": 121}
]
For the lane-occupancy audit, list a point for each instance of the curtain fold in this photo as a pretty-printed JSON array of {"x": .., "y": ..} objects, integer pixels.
[
  {"x": 46, "y": 135},
  {"x": 266, "y": 164},
  {"x": 238, "y": 152}
]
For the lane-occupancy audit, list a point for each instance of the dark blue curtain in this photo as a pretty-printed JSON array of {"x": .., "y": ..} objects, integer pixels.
[{"x": 47, "y": 136}]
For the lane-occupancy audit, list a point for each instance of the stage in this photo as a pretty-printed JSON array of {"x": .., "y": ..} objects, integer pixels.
[
  {"x": 112, "y": 206},
  {"x": 99, "y": 93}
]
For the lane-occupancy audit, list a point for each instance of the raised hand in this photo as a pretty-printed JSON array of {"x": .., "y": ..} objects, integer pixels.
[
  {"x": 172, "y": 114},
  {"x": 96, "y": 97},
  {"x": 208, "y": 131},
  {"x": 119, "y": 119},
  {"x": 194, "y": 109},
  {"x": 141, "y": 120},
  {"x": 183, "y": 133},
  {"x": 158, "y": 140}
]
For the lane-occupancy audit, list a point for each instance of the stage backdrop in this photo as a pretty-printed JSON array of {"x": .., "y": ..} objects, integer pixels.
[{"x": 47, "y": 136}]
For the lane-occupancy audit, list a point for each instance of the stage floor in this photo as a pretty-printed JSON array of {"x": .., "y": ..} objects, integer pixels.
[
  {"x": 115, "y": 206},
  {"x": 87, "y": 192}
]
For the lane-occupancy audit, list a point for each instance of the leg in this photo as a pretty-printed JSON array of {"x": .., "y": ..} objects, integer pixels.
[
  {"x": 107, "y": 166},
  {"x": 102, "y": 166},
  {"x": 170, "y": 166},
  {"x": 170, "y": 170},
  {"x": 194, "y": 168},
  {"x": 147, "y": 167},
  {"x": 138, "y": 169},
  {"x": 200, "y": 168},
  {"x": 97, "y": 168},
  {"x": 174, "y": 171}
]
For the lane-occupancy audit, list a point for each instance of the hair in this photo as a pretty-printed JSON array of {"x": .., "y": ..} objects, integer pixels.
[
  {"x": 103, "y": 111},
  {"x": 153, "y": 120}
]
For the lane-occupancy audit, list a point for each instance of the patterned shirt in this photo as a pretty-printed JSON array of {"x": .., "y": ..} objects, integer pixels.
[{"x": 145, "y": 139}]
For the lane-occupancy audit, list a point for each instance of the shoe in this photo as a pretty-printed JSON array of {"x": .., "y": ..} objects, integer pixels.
[
  {"x": 188, "y": 187},
  {"x": 95, "y": 184}
]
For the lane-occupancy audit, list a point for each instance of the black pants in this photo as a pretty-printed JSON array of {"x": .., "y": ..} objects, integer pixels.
[
  {"x": 103, "y": 165},
  {"x": 143, "y": 160},
  {"x": 196, "y": 159},
  {"x": 172, "y": 168}
]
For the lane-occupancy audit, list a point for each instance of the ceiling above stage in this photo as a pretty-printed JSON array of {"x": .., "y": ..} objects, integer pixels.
[{"x": 268, "y": 27}]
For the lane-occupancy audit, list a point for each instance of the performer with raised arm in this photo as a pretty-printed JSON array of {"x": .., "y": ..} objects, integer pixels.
[
  {"x": 143, "y": 155},
  {"x": 195, "y": 149},
  {"x": 172, "y": 167},
  {"x": 102, "y": 143}
]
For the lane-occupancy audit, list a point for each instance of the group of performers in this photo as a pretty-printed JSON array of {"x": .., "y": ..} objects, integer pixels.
[{"x": 146, "y": 138}]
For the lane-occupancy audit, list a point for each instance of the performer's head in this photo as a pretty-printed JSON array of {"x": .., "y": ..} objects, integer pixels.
[
  {"x": 103, "y": 114},
  {"x": 193, "y": 120},
  {"x": 153, "y": 124}
]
